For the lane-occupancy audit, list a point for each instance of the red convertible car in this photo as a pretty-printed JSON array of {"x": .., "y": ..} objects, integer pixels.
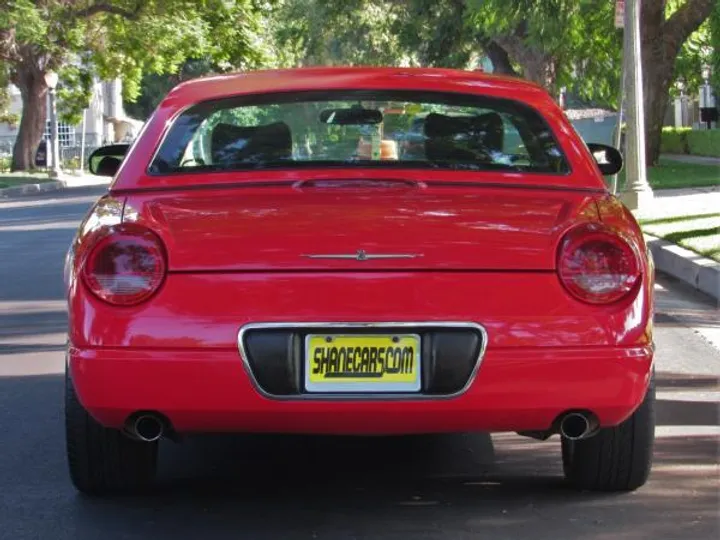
[{"x": 358, "y": 251}]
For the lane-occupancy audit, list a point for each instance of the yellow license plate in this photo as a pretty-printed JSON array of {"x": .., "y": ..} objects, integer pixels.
[{"x": 362, "y": 363}]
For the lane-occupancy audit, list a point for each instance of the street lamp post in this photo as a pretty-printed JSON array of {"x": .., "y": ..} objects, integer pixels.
[
  {"x": 51, "y": 80},
  {"x": 708, "y": 112},
  {"x": 637, "y": 194}
]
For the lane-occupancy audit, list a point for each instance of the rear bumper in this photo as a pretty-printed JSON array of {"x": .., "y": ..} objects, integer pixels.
[{"x": 210, "y": 390}]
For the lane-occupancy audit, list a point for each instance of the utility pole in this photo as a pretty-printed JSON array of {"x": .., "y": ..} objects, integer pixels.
[
  {"x": 638, "y": 194},
  {"x": 82, "y": 144},
  {"x": 620, "y": 23},
  {"x": 51, "y": 80}
]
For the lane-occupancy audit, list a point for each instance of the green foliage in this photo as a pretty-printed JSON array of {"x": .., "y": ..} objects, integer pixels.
[
  {"x": 374, "y": 32},
  {"x": 674, "y": 140},
  {"x": 228, "y": 35},
  {"x": 693, "y": 55},
  {"x": 348, "y": 32},
  {"x": 705, "y": 142},
  {"x": 5, "y": 115},
  {"x": 696, "y": 142},
  {"x": 575, "y": 40},
  {"x": 74, "y": 92},
  {"x": 436, "y": 34},
  {"x": 129, "y": 38},
  {"x": 714, "y": 30},
  {"x": 154, "y": 87}
]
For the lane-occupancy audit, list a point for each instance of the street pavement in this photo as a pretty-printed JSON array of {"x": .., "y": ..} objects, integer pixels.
[{"x": 260, "y": 487}]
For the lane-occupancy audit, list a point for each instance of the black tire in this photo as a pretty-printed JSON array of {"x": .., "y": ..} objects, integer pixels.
[
  {"x": 617, "y": 458},
  {"x": 104, "y": 461}
]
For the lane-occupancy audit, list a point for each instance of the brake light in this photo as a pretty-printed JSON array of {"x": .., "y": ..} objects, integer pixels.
[
  {"x": 126, "y": 266},
  {"x": 596, "y": 265}
]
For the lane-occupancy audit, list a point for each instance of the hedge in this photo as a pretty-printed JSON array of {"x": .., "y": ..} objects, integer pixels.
[
  {"x": 699, "y": 142},
  {"x": 704, "y": 142}
]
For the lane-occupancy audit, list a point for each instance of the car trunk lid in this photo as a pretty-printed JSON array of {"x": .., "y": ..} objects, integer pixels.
[{"x": 361, "y": 225}]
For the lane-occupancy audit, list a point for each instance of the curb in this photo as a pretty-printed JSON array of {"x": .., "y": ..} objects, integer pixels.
[
  {"x": 32, "y": 189},
  {"x": 699, "y": 272}
]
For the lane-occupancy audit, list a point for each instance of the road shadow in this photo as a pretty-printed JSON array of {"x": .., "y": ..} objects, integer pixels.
[
  {"x": 16, "y": 325},
  {"x": 665, "y": 380}
]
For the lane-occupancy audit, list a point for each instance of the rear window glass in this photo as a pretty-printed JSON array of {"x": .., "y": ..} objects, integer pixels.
[{"x": 360, "y": 128}]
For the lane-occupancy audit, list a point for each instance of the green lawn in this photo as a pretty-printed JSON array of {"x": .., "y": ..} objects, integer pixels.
[
  {"x": 677, "y": 174},
  {"x": 699, "y": 233},
  {"x": 17, "y": 179}
]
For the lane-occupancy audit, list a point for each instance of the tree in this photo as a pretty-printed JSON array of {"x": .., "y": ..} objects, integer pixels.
[
  {"x": 695, "y": 53},
  {"x": 154, "y": 86},
  {"x": 348, "y": 32},
  {"x": 116, "y": 38},
  {"x": 664, "y": 29},
  {"x": 714, "y": 30},
  {"x": 572, "y": 43},
  {"x": 5, "y": 115},
  {"x": 556, "y": 43}
]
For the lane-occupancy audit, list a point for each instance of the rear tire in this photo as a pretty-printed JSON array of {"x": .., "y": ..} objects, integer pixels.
[
  {"x": 617, "y": 458},
  {"x": 104, "y": 461}
]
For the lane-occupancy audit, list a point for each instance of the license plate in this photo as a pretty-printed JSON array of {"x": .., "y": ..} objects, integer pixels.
[{"x": 362, "y": 363}]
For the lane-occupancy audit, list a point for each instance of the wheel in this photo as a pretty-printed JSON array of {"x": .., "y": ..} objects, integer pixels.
[
  {"x": 104, "y": 461},
  {"x": 617, "y": 458}
]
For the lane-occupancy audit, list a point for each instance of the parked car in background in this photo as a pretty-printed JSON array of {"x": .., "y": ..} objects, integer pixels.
[{"x": 270, "y": 258}]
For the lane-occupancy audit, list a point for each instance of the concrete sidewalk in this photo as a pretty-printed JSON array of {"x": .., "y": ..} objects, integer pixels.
[
  {"x": 65, "y": 181},
  {"x": 700, "y": 272},
  {"x": 682, "y": 202}
]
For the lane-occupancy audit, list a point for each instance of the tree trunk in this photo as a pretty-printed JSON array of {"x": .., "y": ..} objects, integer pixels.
[
  {"x": 656, "y": 87},
  {"x": 661, "y": 43},
  {"x": 537, "y": 66},
  {"x": 499, "y": 58},
  {"x": 33, "y": 91}
]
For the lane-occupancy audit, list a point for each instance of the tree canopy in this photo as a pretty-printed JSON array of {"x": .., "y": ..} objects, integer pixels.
[
  {"x": 153, "y": 44},
  {"x": 117, "y": 38}
]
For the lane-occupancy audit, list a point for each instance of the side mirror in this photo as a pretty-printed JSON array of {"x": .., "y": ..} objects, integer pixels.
[
  {"x": 608, "y": 158},
  {"x": 106, "y": 160}
]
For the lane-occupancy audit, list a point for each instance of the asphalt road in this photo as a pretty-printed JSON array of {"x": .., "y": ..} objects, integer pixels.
[{"x": 450, "y": 487}]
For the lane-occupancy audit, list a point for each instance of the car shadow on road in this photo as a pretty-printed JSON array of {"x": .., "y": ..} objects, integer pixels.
[
  {"x": 451, "y": 480},
  {"x": 288, "y": 486}
]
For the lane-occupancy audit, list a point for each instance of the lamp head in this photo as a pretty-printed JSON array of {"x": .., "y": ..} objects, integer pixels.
[{"x": 51, "y": 79}]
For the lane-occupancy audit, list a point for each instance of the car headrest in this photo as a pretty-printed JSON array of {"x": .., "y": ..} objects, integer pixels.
[
  {"x": 463, "y": 138},
  {"x": 270, "y": 142}
]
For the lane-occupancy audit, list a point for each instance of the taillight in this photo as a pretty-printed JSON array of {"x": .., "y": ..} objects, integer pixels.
[
  {"x": 126, "y": 266},
  {"x": 596, "y": 265}
]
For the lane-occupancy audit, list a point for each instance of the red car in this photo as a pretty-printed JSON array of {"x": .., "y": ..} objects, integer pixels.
[{"x": 267, "y": 260}]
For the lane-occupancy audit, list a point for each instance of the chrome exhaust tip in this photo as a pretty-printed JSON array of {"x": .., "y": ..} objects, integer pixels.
[
  {"x": 576, "y": 425},
  {"x": 147, "y": 428}
]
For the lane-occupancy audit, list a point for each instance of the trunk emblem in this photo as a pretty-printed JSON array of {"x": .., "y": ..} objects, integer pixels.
[{"x": 362, "y": 255}]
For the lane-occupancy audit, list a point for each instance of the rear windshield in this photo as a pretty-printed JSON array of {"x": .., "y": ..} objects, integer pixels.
[{"x": 360, "y": 128}]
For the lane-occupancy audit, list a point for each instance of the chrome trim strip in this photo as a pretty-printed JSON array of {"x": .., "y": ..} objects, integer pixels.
[
  {"x": 362, "y": 396},
  {"x": 362, "y": 255}
]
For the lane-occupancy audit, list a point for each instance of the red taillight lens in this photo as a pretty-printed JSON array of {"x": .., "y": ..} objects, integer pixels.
[
  {"x": 126, "y": 266},
  {"x": 597, "y": 266}
]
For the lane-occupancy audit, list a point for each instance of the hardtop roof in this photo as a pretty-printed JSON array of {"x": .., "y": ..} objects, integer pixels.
[{"x": 339, "y": 78}]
